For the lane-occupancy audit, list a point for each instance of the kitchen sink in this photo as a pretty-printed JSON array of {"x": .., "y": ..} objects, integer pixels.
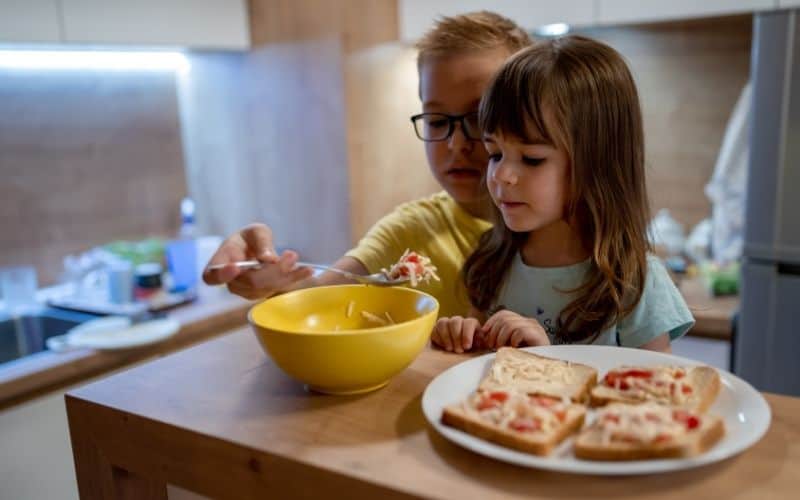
[{"x": 26, "y": 334}]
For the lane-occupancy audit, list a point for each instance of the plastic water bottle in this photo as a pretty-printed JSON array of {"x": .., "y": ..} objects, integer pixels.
[{"x": 188, "y": 229}]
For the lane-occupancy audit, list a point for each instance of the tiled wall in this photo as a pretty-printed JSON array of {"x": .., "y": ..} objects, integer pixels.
[{"x": 85, "y": 157}]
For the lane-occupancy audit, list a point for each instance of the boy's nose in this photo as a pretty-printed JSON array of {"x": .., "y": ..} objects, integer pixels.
[{"x": 458, "y": 140}]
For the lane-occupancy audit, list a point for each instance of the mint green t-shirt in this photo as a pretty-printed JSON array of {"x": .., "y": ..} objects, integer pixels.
[{"x": 538, "y": 292}]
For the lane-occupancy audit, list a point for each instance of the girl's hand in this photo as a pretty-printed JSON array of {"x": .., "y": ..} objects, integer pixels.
[
  {"x": 456, "y": 334},
  {"x": 509, "y": 328}
]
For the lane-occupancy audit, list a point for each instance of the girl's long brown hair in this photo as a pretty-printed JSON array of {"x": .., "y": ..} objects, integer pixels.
[{"x": 591, "y": 99}]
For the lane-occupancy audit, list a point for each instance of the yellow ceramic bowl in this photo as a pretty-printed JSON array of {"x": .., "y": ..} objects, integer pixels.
[{"x": 319, "y": 336}]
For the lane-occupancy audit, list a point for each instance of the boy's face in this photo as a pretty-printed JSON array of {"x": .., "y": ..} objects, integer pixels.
[{"x": 454, "y": 85}]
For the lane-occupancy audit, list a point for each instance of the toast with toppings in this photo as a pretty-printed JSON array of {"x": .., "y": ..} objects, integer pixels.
[
  {"x": 647, "y": 430},
  {"x": 533, "y": 374},
  {"x": 693, "y": 388},
  {"x": 533, "y": 424}
]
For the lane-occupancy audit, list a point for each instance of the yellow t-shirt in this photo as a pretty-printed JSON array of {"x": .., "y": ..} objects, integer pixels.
[{"x": 435, "y": 227}]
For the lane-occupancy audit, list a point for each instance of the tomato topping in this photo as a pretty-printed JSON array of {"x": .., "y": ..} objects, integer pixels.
[
  {"x": 525, "y": 424},
  {"x": 679, "y": 375},
  {"x": 499, "y": 396},
  {"x": 412, "y": 258},
  {"x": 611, "y": 378},
  {"x": 662, "y": 438},
  {"x": 686, "y": 389},
  {"x": 486, "y": 404},
  {"x": 543, "y": 401},
  {"x": 686, "y": 418}
]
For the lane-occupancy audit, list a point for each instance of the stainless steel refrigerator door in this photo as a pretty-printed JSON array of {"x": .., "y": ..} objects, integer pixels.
[
  {"x": 772, "y": 220},
  {"x": 767, "y": 343}
]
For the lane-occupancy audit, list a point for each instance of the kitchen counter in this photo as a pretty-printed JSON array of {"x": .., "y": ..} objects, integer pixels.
[
  {"x": 215, "y": 311},
  {"x": 714, "y": 315},
  {"x": 220, "y": 419}
]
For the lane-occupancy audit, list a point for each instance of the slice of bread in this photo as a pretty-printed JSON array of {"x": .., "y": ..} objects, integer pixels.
[
  {"x": 520, "y": 430},
  {"x": 696, "y": 389},
  {"x": 595, "y": 443},
  {"x": 534, "y": 374}
]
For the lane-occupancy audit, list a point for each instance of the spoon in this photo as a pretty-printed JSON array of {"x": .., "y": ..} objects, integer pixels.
[{"x": 378, "y": 279}]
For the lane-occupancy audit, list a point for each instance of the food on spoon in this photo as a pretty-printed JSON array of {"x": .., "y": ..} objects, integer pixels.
[{"x": 417, "y": 268}]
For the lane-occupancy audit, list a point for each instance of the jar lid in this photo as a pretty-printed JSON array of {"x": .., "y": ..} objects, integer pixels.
[{"x": 149, "y": 269}]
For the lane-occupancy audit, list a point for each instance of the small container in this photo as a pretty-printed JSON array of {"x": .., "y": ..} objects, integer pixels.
[
  {"x": 120, "y": 282},
  {"x": 18, "y": 287},
  {"x": 148, "y": 279}
]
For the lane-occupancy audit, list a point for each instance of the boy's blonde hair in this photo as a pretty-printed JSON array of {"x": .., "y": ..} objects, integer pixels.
[{"x": 474, "y": 31}]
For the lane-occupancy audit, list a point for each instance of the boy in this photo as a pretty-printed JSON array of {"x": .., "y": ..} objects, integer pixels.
[{"x": 456, "y": 62}]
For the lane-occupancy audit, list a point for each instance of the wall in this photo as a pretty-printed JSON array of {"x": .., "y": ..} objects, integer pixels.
[
  {"x": 689, "y": 75},
  {"x": 85, "y": 157},
  {"x": 265, "y": 142},
  {"x": 270, "y": 134}
]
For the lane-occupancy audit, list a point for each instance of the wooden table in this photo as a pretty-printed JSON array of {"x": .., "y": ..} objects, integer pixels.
[{"x": 220, "y": 419}]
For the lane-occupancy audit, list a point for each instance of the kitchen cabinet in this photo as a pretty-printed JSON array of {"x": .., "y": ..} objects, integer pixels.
[
  {"x": 416, "y": 16},
  {"x": 219, "y": 24},
  {"x": 638, "y": 11},
  {"x": 33, "y": 21},
  {"x": 202, "y": 24}
]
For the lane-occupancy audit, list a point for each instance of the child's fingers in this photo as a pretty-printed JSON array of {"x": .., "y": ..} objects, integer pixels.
[
  {"x": 505, "y": 333},
  {"x": 258, "y": 239},
  {"x": 435, "y": 340},
  {"x": 518, "y": 337},
  {"x": 455, "y": 333},
  {"x": 287, "y": 261},
  {"x": 498, "y": 318},
  {"x": 468, "y": 330},
  {"x": 444, "y": 334}
]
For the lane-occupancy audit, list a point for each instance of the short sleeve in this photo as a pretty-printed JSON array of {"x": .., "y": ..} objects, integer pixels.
[
  {"x": 660, "y": 310},
  {"x": 385, "y": 242}
]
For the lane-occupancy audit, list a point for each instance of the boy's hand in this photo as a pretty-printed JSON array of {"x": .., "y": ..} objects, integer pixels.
[
  {"x": 456, "y": 334},
  {"x": 509, "y": 328},
  {"x": 254, "y": 242}
]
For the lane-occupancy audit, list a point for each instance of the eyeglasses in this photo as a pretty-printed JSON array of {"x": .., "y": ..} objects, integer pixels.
[{"x": 432, "y": 127}]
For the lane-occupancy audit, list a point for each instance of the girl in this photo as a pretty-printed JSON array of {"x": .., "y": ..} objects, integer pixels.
[{"x": 567, "y": 260}]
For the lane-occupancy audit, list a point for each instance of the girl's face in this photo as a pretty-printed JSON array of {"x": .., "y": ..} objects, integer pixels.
[{"x": 528, "y": 181}]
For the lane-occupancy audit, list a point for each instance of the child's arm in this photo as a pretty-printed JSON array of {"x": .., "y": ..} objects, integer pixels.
[{"x": 660, "y": 344}]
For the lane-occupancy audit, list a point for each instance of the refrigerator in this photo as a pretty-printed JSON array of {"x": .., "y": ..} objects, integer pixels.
[{"x": 766, "y": 343}]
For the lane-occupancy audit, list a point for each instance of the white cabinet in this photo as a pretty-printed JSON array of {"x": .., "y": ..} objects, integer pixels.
[
  {"x": 34, "y": 21},
  {"x": 188, "y": 23},
  {"x": 636, "y": 11},
  {"x": 417, "y": 16},
  {"x": 204, "y": 24}
]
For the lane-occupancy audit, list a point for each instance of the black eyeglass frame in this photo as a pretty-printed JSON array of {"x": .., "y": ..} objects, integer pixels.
[{"x": 451, "y": 126}]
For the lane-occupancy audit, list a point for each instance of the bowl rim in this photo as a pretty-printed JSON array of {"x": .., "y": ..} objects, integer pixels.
[{"x": 349, "y": 332}]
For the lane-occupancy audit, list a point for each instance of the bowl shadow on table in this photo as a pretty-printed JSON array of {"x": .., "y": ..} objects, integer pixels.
[
  {"x": 271, "y": 394},
  {"x": 519, "y": 480}
]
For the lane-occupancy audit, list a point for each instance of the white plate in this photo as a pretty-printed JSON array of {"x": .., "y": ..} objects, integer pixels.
[
  {"x": 747, "y": 415},
  {"x": 109, "y": 336}
]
